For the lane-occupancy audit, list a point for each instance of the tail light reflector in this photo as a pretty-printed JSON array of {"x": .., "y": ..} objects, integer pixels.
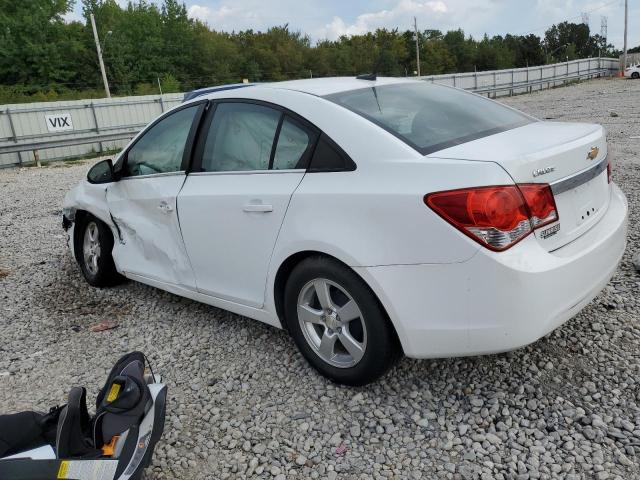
[{"x": 496, "y": 217}]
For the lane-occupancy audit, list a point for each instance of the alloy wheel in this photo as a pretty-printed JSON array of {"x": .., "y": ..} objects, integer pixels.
[
  {"x": 332, "y": 323},
  {"x": 91, "y": 247}
]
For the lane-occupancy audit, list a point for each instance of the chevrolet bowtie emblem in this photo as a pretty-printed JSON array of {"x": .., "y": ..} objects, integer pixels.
[{"x": 593, "y": 153}]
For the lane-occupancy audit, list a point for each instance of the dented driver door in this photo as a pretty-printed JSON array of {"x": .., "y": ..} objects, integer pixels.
[
  {"x": 143, "y": 202},
  {"x": 145, "y": 212}
]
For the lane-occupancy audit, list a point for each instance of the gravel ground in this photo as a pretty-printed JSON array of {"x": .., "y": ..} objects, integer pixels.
[{"x": 244, "y": 403}]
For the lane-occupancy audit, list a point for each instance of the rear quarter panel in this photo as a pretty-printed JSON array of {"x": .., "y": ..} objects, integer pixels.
[{"x": 376, "y": 215}]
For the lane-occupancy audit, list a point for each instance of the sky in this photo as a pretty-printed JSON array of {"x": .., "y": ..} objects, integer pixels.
[{"x": 322, "y": 19}]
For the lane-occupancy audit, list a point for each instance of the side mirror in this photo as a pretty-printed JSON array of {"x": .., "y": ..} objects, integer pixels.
[{"x": 102, "y": 172}]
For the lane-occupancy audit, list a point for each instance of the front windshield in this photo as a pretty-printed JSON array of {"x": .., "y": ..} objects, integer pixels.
[{"x": 430, "y": 117}]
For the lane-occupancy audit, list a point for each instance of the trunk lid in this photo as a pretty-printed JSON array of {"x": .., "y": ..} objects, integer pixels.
[{"x": 571, "y": 157}]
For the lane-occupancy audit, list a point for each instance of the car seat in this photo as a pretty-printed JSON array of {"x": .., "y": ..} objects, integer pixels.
[{"x": 66, "y": 443}]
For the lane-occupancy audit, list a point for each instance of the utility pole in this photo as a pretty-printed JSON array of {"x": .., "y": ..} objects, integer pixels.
[
  {"x": 104, "y": 73},
  {"x": 415, "y": 27},
  {"x": 585, "y": 18},
  {"x": 626, "y": 24},
  {"x": 603, "y": 33}
]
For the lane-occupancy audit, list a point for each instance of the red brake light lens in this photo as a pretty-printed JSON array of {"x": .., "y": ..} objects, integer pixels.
[
  {"x": 496, "y": 217},
  {"x": 542, "y": 205}
]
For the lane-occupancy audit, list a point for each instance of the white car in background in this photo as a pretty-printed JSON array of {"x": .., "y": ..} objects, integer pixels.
[
  {"x": 632, "y": 71},
  {"x": 368, "y": 217}
]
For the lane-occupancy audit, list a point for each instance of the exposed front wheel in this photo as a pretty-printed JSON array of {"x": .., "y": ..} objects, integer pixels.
[
  {"x": 338, "y": 323},
  {"x": 635, "y": 75},
  {"x": 96, "y": 243}
]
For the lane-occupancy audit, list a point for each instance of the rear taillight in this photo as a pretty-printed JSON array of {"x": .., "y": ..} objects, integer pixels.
[
  {"x": 542, "y": 206},
  {"x": 496, "y": 217}
]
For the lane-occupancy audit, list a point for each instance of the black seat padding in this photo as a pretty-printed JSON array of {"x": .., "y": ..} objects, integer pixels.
[
  {"x": 73, "y": 438},
  {"x": 19, "y": 432}
]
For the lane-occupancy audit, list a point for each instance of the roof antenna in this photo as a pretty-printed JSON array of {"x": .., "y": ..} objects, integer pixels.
[
  {"x": 372, "y": 76},
  {"x": 367, "y": 76}
]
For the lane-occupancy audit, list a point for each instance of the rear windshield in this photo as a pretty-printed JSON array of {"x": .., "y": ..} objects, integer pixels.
[{"x": 430, "y": 117}]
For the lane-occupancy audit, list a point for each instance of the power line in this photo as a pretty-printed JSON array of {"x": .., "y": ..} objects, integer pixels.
[{"x": 544, "y": 27}]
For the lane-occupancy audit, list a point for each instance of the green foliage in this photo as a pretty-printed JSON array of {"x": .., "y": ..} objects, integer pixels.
[
  {"x": 170, "y": 84},
  {"x": 44, "y": 58},
  {"x": 20, "y": 94}
]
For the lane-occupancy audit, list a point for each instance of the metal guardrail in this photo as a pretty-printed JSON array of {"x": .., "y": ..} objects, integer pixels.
[
  {"x": 67, "y": 142},
  {"x": 25, "y": 135},
  {"x": 99, "y": 134},
  {"x": 533, "y": 83}
]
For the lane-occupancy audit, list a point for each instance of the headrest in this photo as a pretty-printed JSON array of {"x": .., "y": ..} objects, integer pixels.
[{"x": 123, "y": 400}]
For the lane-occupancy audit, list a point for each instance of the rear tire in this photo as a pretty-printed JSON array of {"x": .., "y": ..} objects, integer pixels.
[
  {"x": 338, "y": 323},
  {"x": 94, "y": 245}
]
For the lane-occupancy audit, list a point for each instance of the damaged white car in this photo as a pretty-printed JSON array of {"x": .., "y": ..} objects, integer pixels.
[
  {"x": 632, "y": 71},
  {"x": 369, "y": 217}
]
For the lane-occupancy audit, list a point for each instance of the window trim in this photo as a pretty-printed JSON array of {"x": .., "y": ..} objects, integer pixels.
[
  {"x": 276, "y": 139},
  {"x": 154, "y": 175},
  {"x": 187, "y": 154},
  {"x": 351, "y": 165},
  {"x": 195, "y": 167},
  {"x": 309, "y": 151},
  {"x": 248, "y": 172}
]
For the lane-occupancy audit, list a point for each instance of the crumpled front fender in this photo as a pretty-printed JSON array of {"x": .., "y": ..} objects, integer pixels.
[{"x": 89, "y": 198}]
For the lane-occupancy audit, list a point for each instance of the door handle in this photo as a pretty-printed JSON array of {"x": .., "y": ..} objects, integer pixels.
[
  {"x": 165, "y": 207},
  {"x": 258, "y": 207}
]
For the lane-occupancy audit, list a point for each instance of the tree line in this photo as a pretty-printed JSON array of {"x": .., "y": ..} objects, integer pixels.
[{"x": 149, "y": 46}]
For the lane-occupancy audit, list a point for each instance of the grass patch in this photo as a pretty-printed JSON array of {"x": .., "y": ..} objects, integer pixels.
[{"x": 71, "y": 161}]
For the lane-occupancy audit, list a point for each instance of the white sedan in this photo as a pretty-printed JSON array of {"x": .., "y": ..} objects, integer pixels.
[
  {"x": 632, "y": 71},
  {"x": 369, "y": 218}
]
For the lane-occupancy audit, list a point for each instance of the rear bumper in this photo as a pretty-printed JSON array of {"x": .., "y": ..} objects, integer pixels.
[{"x": 499, "y": 301}]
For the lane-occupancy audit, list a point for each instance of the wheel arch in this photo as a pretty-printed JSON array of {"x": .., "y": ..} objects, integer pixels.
[
  {"x": 80, "y": 216},
  {"x": 287, "y": 266}
]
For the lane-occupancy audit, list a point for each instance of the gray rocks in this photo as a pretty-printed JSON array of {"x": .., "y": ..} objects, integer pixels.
[{"x": 243, "y": 403}]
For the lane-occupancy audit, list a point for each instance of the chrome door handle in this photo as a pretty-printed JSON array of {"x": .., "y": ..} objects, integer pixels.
[
  {"x": 165, "y": 207},
  {"x": 258, "y": 207}
]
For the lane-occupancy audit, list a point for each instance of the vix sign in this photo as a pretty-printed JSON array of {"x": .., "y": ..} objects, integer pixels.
[{"x": 59, "y": 122}]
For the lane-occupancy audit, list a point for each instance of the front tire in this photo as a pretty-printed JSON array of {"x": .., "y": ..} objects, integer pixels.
[
  {"x": 338, "y": 323},
  {"x": 94, "y": 245},
  {"x": 635, "y": 75}
]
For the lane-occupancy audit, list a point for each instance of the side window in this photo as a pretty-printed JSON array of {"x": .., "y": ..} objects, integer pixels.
[
  {"x": 295, "y": 145},
  {"x": 161, "y": 148},
  {"x": 240, "y": 138},
  {"x": 328, "y": 157}
]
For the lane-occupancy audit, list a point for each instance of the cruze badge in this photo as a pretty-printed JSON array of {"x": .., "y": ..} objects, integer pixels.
[
  {"x": 593, "y": 153},
  {"x": 551, "y": 231},
  {"x": 543, "y": 171}
]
